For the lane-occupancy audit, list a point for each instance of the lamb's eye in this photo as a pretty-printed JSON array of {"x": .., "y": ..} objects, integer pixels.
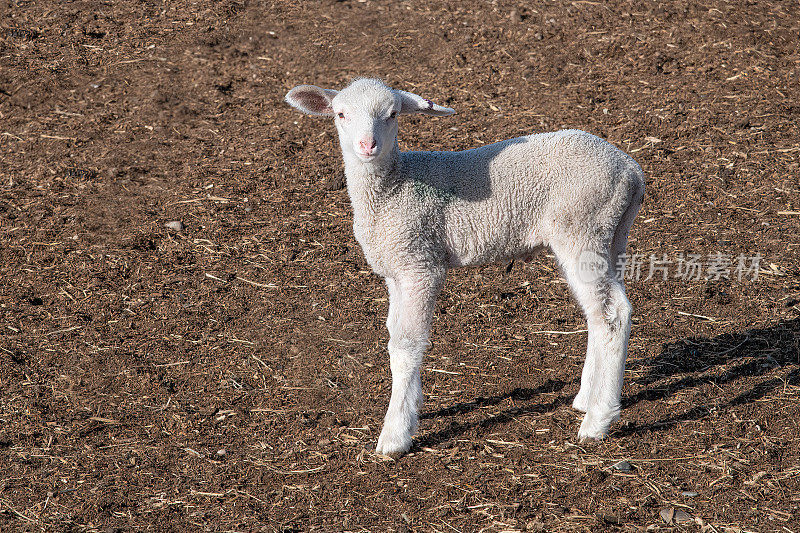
[
  {"x": 393, "y": 114},
  {"x": 341, "y": 115}
]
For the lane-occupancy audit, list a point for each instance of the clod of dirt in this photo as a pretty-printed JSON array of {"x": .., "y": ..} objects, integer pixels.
[
  {"x": 622, "y": 466},
  {"x": 74, "y": 173},
  {"x": 175, "y": 225},
  {"x": 596, "y": 477},
  {"x": 23, "y": 34},
  {"x": 224, "y": 88},
  {"x": 609, "y": 518},
  {"x": 94, "y": 31}
]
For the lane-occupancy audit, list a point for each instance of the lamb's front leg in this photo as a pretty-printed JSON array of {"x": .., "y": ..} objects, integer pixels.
[{"x": 411, "y": 304}]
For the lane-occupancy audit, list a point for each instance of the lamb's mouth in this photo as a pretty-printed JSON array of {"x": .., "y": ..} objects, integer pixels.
[{"x": 367, "y": 158}]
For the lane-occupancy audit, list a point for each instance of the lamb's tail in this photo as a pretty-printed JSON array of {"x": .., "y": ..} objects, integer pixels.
[{"x": 620, "y": 240}]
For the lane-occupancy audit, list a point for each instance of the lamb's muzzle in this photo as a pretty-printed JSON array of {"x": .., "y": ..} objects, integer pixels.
[{"x": 419, "y": 214}]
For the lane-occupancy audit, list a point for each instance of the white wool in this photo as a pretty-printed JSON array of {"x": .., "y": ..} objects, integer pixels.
[{"x": 419, "y": 214}]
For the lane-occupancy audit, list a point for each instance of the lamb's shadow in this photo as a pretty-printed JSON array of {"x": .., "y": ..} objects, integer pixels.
[
  {"x": 723, "y": 359},
  {"x": 518, "y": 395},
  {"x": 684, "y": 364}
]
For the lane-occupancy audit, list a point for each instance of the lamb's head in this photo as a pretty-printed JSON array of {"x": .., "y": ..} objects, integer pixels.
[{"x": 365, "y": 113}]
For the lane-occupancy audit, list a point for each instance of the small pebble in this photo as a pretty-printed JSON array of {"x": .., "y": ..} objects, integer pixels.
[
  {"x": 689, "y": 493},
  {"x": 175, "y": 225},
  {"x": 221, "y": 453},
  {"x": 671, "y": 515},
  {"x": 534, "y": 525},
  {"x": 622, "y": 466}
]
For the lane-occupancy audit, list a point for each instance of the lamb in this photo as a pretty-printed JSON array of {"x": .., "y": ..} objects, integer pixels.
[{"x": 419, "y": 214}]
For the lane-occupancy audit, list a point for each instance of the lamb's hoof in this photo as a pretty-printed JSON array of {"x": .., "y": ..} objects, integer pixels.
[
  {"x": 595, "y": 428},
  {"x": 393, "y": 445},
  {"x": 589, "y": 438}
]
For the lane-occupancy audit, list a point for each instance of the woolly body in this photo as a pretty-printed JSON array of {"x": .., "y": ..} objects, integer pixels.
[{"x": 501, "y": 201}]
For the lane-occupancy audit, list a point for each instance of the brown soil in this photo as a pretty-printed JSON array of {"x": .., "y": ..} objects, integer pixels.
[{"x": 232, "y": 375}]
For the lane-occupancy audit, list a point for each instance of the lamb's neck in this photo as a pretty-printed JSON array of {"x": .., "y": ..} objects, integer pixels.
[{"x": 368, "y": 184}]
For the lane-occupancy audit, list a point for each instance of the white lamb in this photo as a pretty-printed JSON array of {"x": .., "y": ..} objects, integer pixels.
[{"x": 418, "y": 214}]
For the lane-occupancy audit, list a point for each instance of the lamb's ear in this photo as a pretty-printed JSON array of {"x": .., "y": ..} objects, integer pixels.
[
  {"x": 311, "y": 99},
  {"x": 411, "y": 103}
]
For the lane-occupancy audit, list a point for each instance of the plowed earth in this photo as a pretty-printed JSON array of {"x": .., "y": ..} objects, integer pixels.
[{"x": 232, "y": 374}]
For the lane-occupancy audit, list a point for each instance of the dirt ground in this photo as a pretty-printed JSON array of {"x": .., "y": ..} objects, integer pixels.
[{"x": 231, "y": 374}]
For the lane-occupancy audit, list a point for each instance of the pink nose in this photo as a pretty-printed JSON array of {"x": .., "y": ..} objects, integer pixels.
[{"x": 367, "y": 145}]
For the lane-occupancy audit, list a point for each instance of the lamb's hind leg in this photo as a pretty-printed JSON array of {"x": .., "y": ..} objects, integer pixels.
[
  {"x": 411, "y": 306},
  {"x": 617, "y": 248},
  {"x": 607, "y": 310}
]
